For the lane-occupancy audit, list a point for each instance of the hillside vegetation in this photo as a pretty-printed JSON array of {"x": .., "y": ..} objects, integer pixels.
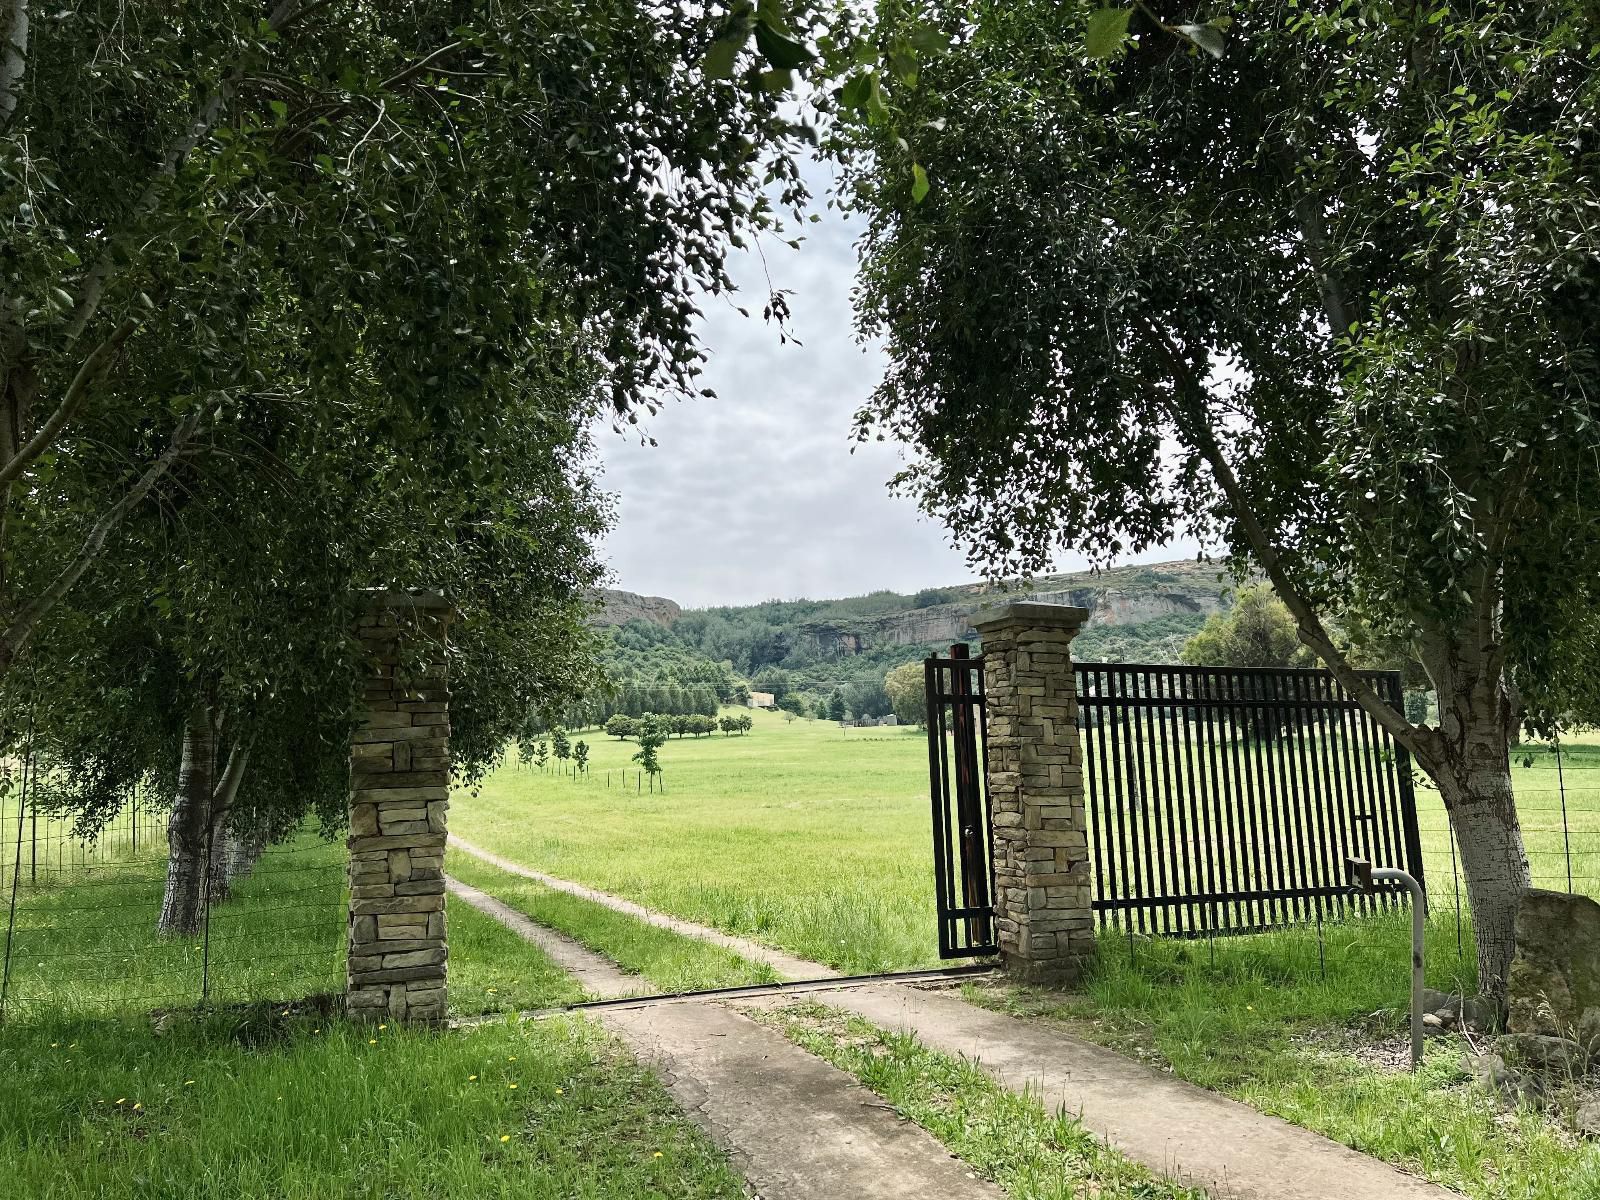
[{"x": 814, "y": 647}]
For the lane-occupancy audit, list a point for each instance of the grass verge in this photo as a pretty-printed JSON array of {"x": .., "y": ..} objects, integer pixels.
[
  {"x": 306, "y": 1109},
  {"x": 671, "y": 962},
  {"x": 1260, "y": 1023},
  {"x": 1007, "y": 1138}
]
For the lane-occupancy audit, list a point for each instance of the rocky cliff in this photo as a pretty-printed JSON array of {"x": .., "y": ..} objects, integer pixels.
[
  {"x": 618, "y": 608},
  {"x": 1122, "y": 596}
]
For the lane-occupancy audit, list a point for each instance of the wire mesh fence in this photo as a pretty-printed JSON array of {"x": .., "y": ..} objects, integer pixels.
[
  {"x": 1557, "y": 788},
  {"x": 81, "y": 919}
]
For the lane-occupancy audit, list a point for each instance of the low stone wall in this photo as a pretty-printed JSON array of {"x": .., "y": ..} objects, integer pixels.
[{"x": 399, "y": 793}]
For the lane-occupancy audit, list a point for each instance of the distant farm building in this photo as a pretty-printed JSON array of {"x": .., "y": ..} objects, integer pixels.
[{"x": 762, "y": 700}]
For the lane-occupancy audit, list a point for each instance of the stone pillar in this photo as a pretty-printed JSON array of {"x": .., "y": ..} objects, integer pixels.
[
  {"x": 399, "y": 791},
  {"x": 1035, "y": 777}
]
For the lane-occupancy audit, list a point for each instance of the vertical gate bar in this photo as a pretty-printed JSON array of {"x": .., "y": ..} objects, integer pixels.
[
  {"x": 1391, "y": 827},
  {"x": 1199, "y": 821},
  {"x": 1408, "y": 793},
  {"x": 969, "y": 797},
  {"x": 1118, "y": 802},
  {"x": 1306, "y": 837},
  {"x": 1159, "y": 794},
  {"x": 1383, "y": 849},
  {"x": 1227, "y": 815},
  {"x": 1316, "y": 859},
  {"x": 1103, "y": 815},
  {"x": 930, "y": 679},
  {"x": 1278, "y": 789},
  {"x": 1361, "y": 834},
  {"x": 1255, "y": 788},
  {"x": 1338, "y": 803},
  {"x": 946, "y": 811},
  {"x": 1177, "y": 822},
  {"x": 1140, "y": 745},
  {"x": 981, "y": 719},
  {"x": 1088, "y": 716}
]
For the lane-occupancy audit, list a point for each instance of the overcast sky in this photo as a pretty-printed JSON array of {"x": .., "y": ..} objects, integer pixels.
[{"x": 755, "y": 494}]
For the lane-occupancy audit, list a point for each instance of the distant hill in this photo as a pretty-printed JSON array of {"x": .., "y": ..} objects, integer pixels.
[{"x": 1137, "y": 614}]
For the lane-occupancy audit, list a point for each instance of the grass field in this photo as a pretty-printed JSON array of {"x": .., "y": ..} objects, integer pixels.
[
  {"x": 298, "y": 1108},
  {"x": 817, "y": 839}
]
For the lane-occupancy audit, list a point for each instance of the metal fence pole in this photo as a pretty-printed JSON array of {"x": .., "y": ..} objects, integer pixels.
[{"x": 1566, "y": 830}]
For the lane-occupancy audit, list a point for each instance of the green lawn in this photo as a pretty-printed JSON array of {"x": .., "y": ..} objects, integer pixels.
[
  {"x": 299, "y": 1108},
  {"x": 817, "y": 839},
  {"x": 85, "y": 940},
  {"x": 667, "y": 961},
  {"x": 800, "y": 835}
]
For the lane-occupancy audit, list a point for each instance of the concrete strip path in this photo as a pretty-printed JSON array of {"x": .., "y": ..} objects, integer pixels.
[
  {"x": 1175, "y": 1128},
  {"x": 601, "y": 978},
  {"x": 794, "y": 1126},
  {"x": 787, "y": 966}
]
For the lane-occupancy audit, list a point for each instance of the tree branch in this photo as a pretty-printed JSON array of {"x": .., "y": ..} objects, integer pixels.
[
  {"x": 23, "y": 624},
  {"x": 227, "y": 788},
  {"x": 1311, "y": 629},
  {"x": 88, "y": 373}
]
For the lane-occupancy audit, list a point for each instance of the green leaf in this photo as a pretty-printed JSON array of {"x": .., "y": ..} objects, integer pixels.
[
  {"x": 780, "y": 79},
  {"x": 919, "y": 183},
  {"x": 903, "y": 65},
  {"x": 1107, "y": 32},
  {"x": 779, "y": 49},
  {"x": 927, "y": 40},
  {"x": 720, "y": 60},
  {"x": 856, "y": 91},
  {"x": 1208, "y": 37}
]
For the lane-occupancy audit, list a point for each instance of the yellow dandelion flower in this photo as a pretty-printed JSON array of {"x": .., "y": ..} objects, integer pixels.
[
  {"x": 560, "y": 1092},
  {"x": 53, "y": 1045},
  {"x": 381, "y": 1028},
  {"x": 505, "y": 1137},
  {"x": 470, "y": 1078},
  {"x": 657, "y": 1154},
  {"x": 121, "y": 1099},
  {"x": 372, "y": 1041},
  {"x": 513, "y": 1058},
  {"x": 137, "y": 1107},
  {"x": 509, "y": 1085},
  {"x": 188, "y": 1083},
  {"x": 489, "y": 990}
]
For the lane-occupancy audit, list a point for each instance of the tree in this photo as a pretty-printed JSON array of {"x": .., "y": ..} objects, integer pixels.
[
  {"x": 794, "y": 704},
  {"x": 867, "y": 698},
  {"x": 836, "y": 708},
  {"x": 908, "y": 692},
  {"x": 621, "y": 727},
  {"x": 1258, "y": 631},
  {"x": 580, "y": 756},
  {"x": 162, "y": 207},
  {"x": 1322, "y": 293},
  {"x": 541, "y": 753},
  {"x": 745, "y": 722},
  {"x": 728, "y": 725},
  {"x": 560, "y": 744},
  {"x": 652, "y": 735}
]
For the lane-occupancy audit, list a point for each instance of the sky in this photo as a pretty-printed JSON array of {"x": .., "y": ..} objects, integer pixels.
[{"x": 756, "y": 494}]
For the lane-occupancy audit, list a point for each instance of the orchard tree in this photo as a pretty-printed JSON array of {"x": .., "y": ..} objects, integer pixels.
[
  {"x": 580, "y": 756},
  {"x": 560, "y": 744},
  {"x": 907, "y": 687},
  {"x": 1315, "y": 283},
  {"x": 621, "y": 726},
  {"x": 652, "y": 736}
]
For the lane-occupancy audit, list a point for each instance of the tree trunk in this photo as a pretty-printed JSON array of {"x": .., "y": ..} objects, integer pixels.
[
  {"x": 1477, "y": 720},
  {"x": 188, "y": 829}
]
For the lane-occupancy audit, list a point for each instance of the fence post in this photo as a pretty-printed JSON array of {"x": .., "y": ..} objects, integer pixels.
[
  {"x": 1034, "y": 768},
  {"x": 399, "y": 791}
]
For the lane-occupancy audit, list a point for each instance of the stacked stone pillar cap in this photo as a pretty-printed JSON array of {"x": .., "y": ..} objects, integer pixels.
[{"x": 1029, "y": 614}]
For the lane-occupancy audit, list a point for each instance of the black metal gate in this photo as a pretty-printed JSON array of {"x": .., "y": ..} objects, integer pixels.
[
  {"x": 963, "y": 866},
  {"x": 1227, "y": 799}
]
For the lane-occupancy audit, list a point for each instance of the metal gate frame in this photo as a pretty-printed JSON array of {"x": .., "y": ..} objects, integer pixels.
[
  {"x": 1218, "y": 759},
  {"x": 958, "y": 767}
]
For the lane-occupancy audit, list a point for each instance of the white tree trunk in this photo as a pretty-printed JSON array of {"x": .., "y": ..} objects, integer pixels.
[{"x": 188, "y": 827}]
